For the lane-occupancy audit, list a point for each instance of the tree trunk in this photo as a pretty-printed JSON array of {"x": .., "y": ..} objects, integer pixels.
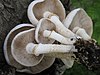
[{"x": 12, "y": 13}]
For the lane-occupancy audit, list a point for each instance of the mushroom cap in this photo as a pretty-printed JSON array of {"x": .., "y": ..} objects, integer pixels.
[
  {"x": 44, "y": 24},
  {"x": 79, "y": 18},
  {"x": 7, "y": 44},
  {"x": 26, "y": 70},
  {"x": 18, "y": 48},
  {"x": 68, "y": 62},
  {"x": 44, "y": 64},
  {"x": 38, "y": 7}
]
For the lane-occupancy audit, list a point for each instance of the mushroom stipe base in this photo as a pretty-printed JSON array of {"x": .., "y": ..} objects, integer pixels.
[{"x": 88, "y": 53}]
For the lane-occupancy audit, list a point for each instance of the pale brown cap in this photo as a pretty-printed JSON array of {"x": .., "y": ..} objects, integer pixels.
[
  {"x": 18, "y": 48},
  {"x": 7, "y": 44},
  {"x": 37, "y": 8},
  {"x": 79, "y": 18},
  {"x": 44, "y": 24}
]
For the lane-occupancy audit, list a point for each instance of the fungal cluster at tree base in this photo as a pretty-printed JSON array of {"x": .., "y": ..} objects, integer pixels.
[{"x": 32, "y": 48}]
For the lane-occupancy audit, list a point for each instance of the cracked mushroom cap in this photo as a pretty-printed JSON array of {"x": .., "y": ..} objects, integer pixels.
[
  {"x": 18, "y": 48},
  {"x": 45, "y": 63},
  {"x": 44, "y": 24},
  {"x": 7, "y": 44},
  {"x": 37, "y": 8},
  {"x": 79, "y": 18}
]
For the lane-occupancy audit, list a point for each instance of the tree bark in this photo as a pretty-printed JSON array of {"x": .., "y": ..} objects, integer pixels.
[{"x": 12, "y": 13}]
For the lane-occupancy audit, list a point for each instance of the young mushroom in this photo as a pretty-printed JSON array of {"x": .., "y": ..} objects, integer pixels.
[
  {"x": 80, "y": 23},
  {"x": 45, "y": 33},
  {"x": 60, "y": 28},
  {"x": 7, "y": 45},
  {"x": 18, "y": 49},
  {"x": 38, "y": 7}
]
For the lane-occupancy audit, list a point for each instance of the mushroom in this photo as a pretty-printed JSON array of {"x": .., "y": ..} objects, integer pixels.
[
  {"x": 18, "y": 49},
  {"x": 80, "y": 23},
  {"x": 43, "y": 25},
  {"x": 45, "y": 33},
  {"x": 7, "y": 45},
  {"x": 38, "y": 7},
  {"x": 34, "y": 63},
  {"x": 60, "y": 28}
]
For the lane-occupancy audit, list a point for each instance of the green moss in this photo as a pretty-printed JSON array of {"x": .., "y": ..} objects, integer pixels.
[{"x": 78, "y": 69}]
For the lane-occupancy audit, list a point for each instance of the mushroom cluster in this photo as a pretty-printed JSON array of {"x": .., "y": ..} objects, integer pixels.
[{"x": 32, "y": 48}]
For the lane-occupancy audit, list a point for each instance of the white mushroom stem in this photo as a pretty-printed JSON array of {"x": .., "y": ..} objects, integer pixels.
[
  {"x": 60, "y": 28},
  {"x": 68, "y": 62},
  {"x": 54, "y": 35},
  {"x": 38, "y": 49},
  {"x": 82, "y": 33}
]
